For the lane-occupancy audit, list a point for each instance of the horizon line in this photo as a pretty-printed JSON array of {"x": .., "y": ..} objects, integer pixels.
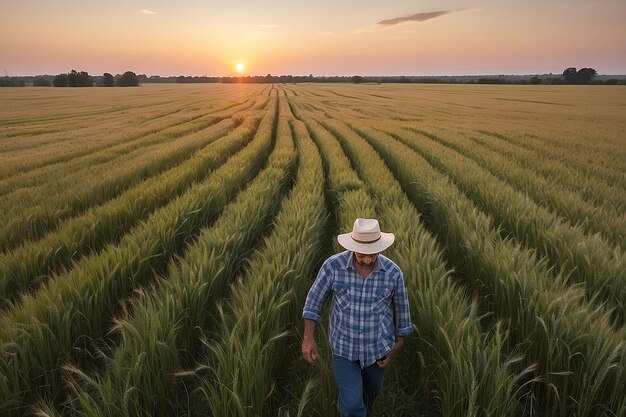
[{"x": 323, "y": 75}]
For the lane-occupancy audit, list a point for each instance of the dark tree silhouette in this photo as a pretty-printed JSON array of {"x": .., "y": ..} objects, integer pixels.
[
  {"x": 585, "y": 75},
  {"x": 569, "y": 75},
  {"x": 72, "y": 78},
  {"x": 107, "y": 80},
  {"x": 79, "y": 79},
  {"x": 41, "y": 82},
  {"x": 357, "y": 79},
  {"x": 85, "y": 80},
  {"x": 582, "y": 76},
  {"x": 60, "y": 80},
  {"x": 128, "y": 79}
]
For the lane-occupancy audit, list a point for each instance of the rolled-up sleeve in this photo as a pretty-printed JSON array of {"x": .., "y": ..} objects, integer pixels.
[
  {"x": 317, "y": 294},
  {"x": 402, "y": 311}
]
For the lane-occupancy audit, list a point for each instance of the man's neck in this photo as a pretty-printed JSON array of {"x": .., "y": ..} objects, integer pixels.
[{"x": 364, "y": 272}]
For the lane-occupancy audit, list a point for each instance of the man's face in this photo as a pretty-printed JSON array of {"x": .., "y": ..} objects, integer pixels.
[{"x": 365, "y": 261}]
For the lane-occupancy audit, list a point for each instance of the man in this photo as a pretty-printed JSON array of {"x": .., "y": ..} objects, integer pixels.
[{"x": 369, "y": 315}]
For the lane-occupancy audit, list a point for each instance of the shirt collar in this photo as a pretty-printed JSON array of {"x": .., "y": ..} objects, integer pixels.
[{"x": 350, "y": 262}]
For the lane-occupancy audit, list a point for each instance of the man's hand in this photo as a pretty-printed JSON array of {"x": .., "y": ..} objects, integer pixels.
[
  {"x": 309, "y": 347},
  {"x": 383, "y": 362},
  {"x": 309, "y": 350},
  {"x": 395, "y": 349}
]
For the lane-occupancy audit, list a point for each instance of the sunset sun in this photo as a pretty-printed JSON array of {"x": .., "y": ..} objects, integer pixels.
[{"x": 240, "y": 67}]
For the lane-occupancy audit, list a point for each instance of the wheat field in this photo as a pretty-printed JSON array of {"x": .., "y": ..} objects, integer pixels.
[{"x": 157, "y": 244}]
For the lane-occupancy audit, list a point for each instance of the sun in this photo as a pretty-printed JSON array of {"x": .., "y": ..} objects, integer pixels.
[{"x": 240, "y": 67}]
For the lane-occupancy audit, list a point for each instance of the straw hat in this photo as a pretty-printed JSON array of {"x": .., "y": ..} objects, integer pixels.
[{"x": 366, "y": 237}]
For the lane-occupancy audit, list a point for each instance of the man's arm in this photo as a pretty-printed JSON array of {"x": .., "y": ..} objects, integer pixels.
[
  {"x": 318, "y": 293},
  {"x": 402, "y": 319},
  {"x": 309, "y": 347},
  {"x": 394, "y": 351},
  {"x": 402, "y": 312}
]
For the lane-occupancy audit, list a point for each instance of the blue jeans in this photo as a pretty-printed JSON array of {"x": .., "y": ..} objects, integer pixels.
[{"x": 357, "y": 387}]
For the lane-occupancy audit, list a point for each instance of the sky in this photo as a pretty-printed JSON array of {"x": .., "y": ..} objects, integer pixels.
[{"x": 323, "y": 38}]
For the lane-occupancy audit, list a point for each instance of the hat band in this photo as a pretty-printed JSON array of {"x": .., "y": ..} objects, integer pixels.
[{"x": 366, "y": 241}]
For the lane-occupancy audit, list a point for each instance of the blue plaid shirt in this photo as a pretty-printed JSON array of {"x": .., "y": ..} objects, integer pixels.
[{"x": 366, "y": 314}]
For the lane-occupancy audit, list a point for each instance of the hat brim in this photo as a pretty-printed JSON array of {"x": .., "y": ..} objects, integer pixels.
[{"x": 386, "y": 240}]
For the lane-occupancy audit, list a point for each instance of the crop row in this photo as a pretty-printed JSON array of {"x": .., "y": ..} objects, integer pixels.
[
  {"x": 570, "y": 205},
  {"x": 580, "y": 357},
  {"x": 69, "y": 106},
  {"x": 101, "y": 175},
  {"x": 82, "y": 144},
  {"x": 161, "y": 333},
  {"x": 85, "y": 143},
  {"x": 348, "y": 199},
  {"x": 125, "y": 308},
  {"x": 245, "y": 359},
  {"x": 474, "y": 377},
  {"x": 593, "y": 189},
  {"x": 126, "y": 145},
  {"x": 73, "y": 112},
  {"x": 57, "y": 128},
  {"x": 583, "y": 258},
  {"x": 29, "y": 220},
  {"x": 66, "y": 134},
  {"x": 593, "y": 153},
  {"x": 26, "y": 266},
  {"x": 45, "y": 329},
  {"x": 586, "y": 156},
  {"x": 37, "y": 169},
  {"x": 395, "y": 211}
]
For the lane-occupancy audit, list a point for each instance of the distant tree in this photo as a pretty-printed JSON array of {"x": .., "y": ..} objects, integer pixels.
[
  {"x": 585, "y": 75},
  {"x": 535, "y": 80},
  {"x": 128, "y": 79},
  {"x": 84, "y": 80},
  {"x": 41, "y": 82},
  {"x": 12, "y": 82},
  {"x": 569, "y": 75},
  {"x": 611, "y": 81},
  {"x": 60, "y": 80},
  {"x": 492, "y": 80},
  {"x": 582, "y": 76},
  {"x": 79, "y": 79},
  {"x": 72, "y": 78},
  {"x": 107, "y": 80},
  {"x": 357, "y": 79}
]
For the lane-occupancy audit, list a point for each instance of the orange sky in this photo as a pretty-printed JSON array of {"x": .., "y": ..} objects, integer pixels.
[{"x": 196, "y": 37}]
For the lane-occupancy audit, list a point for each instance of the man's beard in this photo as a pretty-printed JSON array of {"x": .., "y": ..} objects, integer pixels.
[{"x": 365, "y": 265}]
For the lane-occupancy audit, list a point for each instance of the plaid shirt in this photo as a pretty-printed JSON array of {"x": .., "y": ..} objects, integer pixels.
[{"x": 366, "y": 314}]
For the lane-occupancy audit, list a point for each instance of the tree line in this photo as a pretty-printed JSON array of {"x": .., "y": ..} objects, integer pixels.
[
  {"x": 74, "y": 79},
  {"x": 82, "y": 79}
]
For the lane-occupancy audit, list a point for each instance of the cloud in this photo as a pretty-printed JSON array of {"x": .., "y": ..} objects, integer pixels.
[
  {"x": 146, "y": 11},
  {"x": 419, "y": 17}
]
